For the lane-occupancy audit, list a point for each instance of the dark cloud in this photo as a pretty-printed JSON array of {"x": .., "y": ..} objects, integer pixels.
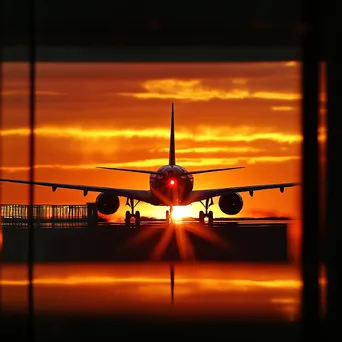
[{"x": 90, "y": 94}]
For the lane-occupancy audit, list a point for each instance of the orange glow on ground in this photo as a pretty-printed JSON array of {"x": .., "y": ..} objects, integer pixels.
[{"x": 200, "y": 289}]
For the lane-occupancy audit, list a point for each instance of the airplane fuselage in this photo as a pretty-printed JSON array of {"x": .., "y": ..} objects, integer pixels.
[{"x": 172, "y": 186}]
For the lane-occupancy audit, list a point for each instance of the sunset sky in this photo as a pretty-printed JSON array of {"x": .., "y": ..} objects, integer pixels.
[{"x": 228, "y": 114}]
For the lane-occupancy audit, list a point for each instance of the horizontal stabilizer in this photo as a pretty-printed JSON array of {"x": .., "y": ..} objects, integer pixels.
[
  {"x": 214, "y": 170},
  {"x": 128, "y": 170}
]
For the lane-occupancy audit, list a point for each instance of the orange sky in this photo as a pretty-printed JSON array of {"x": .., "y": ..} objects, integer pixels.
[{"x": 119, "y": 114}]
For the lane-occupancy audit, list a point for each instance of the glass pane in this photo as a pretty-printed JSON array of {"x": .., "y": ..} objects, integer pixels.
[{"x": 118, "y": 115}]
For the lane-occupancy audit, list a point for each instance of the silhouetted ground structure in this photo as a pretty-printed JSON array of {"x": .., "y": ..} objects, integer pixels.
[{"x": 50, "y": 215}]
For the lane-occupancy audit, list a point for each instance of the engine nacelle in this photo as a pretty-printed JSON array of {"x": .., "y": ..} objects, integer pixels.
[
  {"x": 231, "y": 203},
  {"x": 107, "y": 204}
]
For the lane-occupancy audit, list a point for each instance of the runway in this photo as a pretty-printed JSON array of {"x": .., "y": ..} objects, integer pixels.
[
  {"x": 217, "y": 222},
  {"x": 226, "y": 241}
]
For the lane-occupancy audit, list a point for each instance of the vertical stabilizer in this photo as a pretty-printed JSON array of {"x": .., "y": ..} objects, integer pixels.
[{"x": 172, "y": 152}]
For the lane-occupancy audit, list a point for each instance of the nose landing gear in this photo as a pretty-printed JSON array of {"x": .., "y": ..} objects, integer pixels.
[
  {"x": 209, "y": 214},
  {"x": 129, "y": 214},
  {"x": 169, "y": 215}
]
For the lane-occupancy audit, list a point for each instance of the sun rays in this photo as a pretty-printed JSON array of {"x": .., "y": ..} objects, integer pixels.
[
  {"x": 161, "y": 246},
  {"x": 177, "y": 234},
  {"x": 185, "y": 247}
]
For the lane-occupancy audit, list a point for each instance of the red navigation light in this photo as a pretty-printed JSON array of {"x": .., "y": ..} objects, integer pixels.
[{"x": 172, "y": 182}]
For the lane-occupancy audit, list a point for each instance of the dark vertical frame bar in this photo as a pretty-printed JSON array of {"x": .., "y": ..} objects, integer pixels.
[
  {"x": 310, "y": 169},
  {"x": 333, "y": 171},
  {"x": 32, "y": 108}
]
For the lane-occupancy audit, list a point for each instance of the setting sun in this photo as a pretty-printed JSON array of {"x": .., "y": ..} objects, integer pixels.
[{"x": 179, "y": 213}]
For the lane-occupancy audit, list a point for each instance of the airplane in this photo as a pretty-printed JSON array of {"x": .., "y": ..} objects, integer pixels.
[{"x": 171, "y": 185}]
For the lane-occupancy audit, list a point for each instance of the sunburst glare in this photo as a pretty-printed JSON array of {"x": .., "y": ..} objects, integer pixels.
[
  {"x": 180, "y": 213},
  {"x": 179, "y": 232}
]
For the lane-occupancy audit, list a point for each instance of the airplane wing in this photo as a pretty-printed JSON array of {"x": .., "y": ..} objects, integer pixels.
[
  {"x": 213, "y": 170},
  {"x": 139, "y": 195},
  {"x": 129, "y": 170},
  {"x": 199, "y": 195}
]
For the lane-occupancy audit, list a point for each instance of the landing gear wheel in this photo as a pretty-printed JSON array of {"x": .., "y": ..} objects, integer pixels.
[
  {"x": 201, "y": 217},
  {"x": 137, "y": 219},
  {"x": 130, "y": 214},
  {"x": 209, "y": 214},
  {"x": 128, "y": 219},
  {"x": 167, "y": 217},
  {"x": 210, "y": 219}
]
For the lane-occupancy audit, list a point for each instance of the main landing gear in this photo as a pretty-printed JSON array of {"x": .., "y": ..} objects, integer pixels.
[
  {"x": 209, "y": 214},
  {"x": 129, "y": 214}
]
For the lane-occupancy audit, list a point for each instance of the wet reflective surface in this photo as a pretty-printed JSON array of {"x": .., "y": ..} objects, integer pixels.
[{"x": 223, "y": 289}]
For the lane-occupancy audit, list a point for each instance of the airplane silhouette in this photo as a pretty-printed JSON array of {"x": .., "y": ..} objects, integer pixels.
[{"x": 171, "y": 185}]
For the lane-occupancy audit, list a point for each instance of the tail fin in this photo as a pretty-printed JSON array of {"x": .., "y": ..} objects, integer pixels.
[{"x": 172, "y": 151}]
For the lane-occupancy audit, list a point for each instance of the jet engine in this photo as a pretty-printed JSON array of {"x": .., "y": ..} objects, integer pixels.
[
  {"x": 231, "y": 203},
  {"x": 107, "y": 204}
]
